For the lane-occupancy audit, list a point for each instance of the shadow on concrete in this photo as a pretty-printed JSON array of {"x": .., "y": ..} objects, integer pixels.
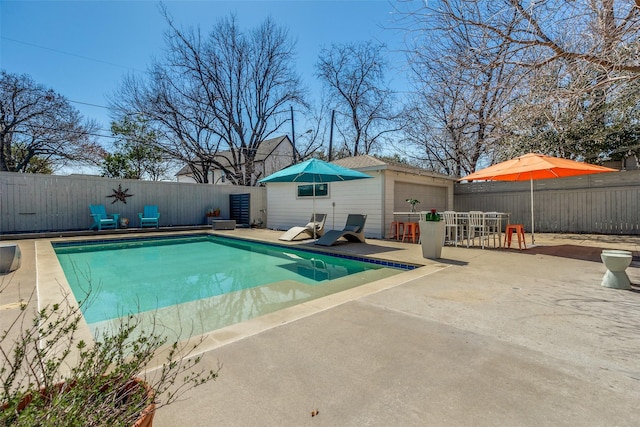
[
  {"x": 604, "y": 238},
  {"x": 585, "y": 253},
  {"x": 455, "y": 262}
]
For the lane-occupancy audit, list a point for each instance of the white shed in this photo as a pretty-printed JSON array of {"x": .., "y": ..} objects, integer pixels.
[{"x": 290, "y": 204}]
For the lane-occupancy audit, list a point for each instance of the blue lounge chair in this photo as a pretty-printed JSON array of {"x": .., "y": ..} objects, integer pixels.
[
  {"x": 101, "y": 219},
  {"x": 149, "y": 217},
  {"x": 353, "y": 231}
]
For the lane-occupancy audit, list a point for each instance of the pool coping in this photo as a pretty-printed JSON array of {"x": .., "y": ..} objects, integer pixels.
[{"x": 52, "y": 287}]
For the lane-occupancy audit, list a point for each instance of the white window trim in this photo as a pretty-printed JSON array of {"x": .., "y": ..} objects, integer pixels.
[{"x": 328, "y": 195}]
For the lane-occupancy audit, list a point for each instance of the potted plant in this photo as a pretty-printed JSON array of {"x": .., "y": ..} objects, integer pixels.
[
  {"x": 413, "y": 203},
  {"x": 431, "y": 234},
  {"x": 212, "y": 213},
  {"x": 52, "y": 378}
]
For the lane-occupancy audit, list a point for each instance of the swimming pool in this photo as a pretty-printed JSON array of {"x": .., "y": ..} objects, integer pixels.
[{"x": 206, "y": 281}]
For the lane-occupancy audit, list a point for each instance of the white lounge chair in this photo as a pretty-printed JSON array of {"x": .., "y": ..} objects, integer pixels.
[
  {"x": 353, "y": 231},
  {"x": 306, "y": 231}
]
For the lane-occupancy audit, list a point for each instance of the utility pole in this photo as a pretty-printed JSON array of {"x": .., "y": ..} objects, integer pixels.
[
  {"x": 333, "y": 114},
  {"x": 293, "y": 139}
]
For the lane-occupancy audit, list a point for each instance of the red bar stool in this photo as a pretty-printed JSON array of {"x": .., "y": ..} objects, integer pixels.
[
  {"x": 411, "y": 230},
  {"x": 519, "y": 230}
]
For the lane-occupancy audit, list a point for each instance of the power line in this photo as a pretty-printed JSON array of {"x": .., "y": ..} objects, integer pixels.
[
  {"x": 70, "y": 54},
  {"x": 77, "y": 56},
  {"x": 89, "y": 104},
  {"x": 79, "y": 132}
]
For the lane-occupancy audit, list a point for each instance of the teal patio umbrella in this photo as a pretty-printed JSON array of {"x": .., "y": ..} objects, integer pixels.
[{"x": 315, "y": 171}]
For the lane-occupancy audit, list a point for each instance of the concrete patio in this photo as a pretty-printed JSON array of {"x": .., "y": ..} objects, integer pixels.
[{"x": 481, "y": 337}]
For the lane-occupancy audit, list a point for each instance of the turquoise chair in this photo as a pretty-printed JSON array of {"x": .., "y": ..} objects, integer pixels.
[
  {"x": 149, "y": 217},
  {"x": 101, "y": 219}
]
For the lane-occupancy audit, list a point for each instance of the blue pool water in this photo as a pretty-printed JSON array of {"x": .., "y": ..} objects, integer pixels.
[{"x": 139, "y": 275}]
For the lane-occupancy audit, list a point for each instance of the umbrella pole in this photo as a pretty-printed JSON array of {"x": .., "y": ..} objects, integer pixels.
[
  {"x": 313, "y": 209},
  {"x": 533, "y": 239}
]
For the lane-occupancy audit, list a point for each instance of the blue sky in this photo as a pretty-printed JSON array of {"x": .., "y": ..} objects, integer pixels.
[{"x": 81, "y": 49}]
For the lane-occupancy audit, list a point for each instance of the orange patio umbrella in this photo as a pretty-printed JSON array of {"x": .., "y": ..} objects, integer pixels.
[{"x": 532, "y": 167}]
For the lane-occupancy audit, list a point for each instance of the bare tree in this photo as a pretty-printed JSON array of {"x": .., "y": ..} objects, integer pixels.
[
  {"x": 215, "y": 98},
  {"x": 559, "y": 77},
  {"x": 464, "y": 86},
  {"x": 598, "y": 124},
  {"x": 353, "y": 74},
  {"x": 600, "y": 32},
  {"x": 583, "y": 80},
  {"x": 40, "y": 130}
]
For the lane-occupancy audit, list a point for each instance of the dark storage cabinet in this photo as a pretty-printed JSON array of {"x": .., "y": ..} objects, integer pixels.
[{"x": 239, "y": 206}]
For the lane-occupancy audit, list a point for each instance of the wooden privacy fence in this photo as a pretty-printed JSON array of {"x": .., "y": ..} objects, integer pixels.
[
  {"x": 606, "y": 203},
  {"x": 35, "y": 203}
]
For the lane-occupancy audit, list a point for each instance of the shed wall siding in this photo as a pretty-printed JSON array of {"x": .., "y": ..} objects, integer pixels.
[{"x": 286, "y": 210}]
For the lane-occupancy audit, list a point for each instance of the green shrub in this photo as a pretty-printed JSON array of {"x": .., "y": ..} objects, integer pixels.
[{"x": 70, "y": 382}]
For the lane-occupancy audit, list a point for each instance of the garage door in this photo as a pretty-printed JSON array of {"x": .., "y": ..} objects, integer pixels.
[{"x": 430, "y": 197}]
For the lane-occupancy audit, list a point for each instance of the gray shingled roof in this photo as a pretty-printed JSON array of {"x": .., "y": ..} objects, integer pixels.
[
  {"x": 264, "y": 150},
  {"x": 367, "y": 162}
]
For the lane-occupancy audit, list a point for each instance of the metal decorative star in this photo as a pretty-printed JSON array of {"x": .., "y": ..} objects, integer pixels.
[{"x": 120, "y": 195}]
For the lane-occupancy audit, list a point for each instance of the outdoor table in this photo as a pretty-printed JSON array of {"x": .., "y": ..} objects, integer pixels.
[
  {"x": 493, "y": 223},
  {"x": 408, "y": 215}
]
